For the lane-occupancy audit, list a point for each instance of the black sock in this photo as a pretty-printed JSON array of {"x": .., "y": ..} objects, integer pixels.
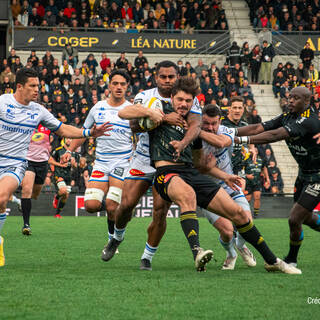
[
  {"x": 57, "y": 196},
  {"x": 26, "y": 210},
  {"x": 61, "y": 204},
  {"x": 256, "y": 211},
  {"x": 252, "y": 235},
  {"x": 294, "y": 249},
  {"x": 190, "y": 226},
  {"x": 103, "y": 205},
  {"x": 110, "y": 226}
]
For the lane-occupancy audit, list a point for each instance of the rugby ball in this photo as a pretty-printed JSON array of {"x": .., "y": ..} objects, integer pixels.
[{"x": 146, "y": 123}]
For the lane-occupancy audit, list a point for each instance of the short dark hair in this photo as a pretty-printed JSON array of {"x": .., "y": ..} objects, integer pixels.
[
  {"x": 120, "y": 72},
  {"x": 211, "y": 110},
  {"x": 166, "y": 64},
  {"x": 187, "y": 85},
  {"x": 236, "y": 99},
  {"x": 24, "y": 74}
]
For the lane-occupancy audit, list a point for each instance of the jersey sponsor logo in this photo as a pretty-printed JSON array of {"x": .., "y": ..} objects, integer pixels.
[
  {"x": 299, "y": 121},
  {"x": 32, "y": 116},
  {"x": 160, "y": 179},
  {"x": 136, "y": 101},
  {"x": 299, "y": 150},
  {"x": 97, "y": 174},
  {"x": 169, "y": 176},
  {"x": 10, "y": 112},
  {"x": 117, "y": 130},
  {"x": 192, "y": 233},
  {"x": 37, "y": 136},
  {"x": 101, "y": 116},
  {"x": 118, "y": 171},
  {"x": 313, "y": 189},
  {"x": 17, "y": 130},
  {"x": 137, "y": 173}
]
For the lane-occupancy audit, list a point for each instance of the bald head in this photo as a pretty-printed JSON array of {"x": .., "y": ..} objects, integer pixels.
[
  {"x": 302, "y": 92},
  {"x": 299, "y": 99}
]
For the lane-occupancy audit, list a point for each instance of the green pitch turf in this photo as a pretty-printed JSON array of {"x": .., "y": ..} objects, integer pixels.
[{"x": 57, "y": 273}]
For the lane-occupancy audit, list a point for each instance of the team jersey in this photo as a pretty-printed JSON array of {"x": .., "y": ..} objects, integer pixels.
[
  {"x": 255, "y": 169},
  {"x": 118, "y": 145},
  {"x": 142, "y": 97},
  {"x": 305, "y": 150},
  {"x": 39, "y": 145},
  {"x": 17, "y": 124},
  {"x": 237, "y": 156},
  {"x": 222, "y": 155},
  {"x": 160, "y": 138},
  {"x": 61, "y": 172}
]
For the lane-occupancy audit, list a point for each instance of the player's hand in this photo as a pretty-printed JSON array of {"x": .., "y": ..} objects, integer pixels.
[
  {"x": 234, "y": 182},
  {"x": 174, "y": 119},
  {"x": 156, "y": 116},
  {"x": 267, "y": 184},
  {"x": 317, "y": 136},
  {"x": 63, "y": 165},
  {"x": 100, "y": 130},
  {"x": 179, "y": 147},
  {"x": 65, "y": 158}
]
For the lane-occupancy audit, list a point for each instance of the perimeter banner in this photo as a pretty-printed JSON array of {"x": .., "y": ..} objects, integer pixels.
[{"x": 34, "y": 39}]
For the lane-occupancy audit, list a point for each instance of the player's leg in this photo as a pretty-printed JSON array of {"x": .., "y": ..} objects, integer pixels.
[
  {"x": 174, "y": 188},
  {"x": 8, "y": 184},
  {"x": 132, "y": 191},
  {"x": 256, "y": 203},
  {"x": 26, "y": 194},
  {"x": 156, "y": 229},
  {"x": 223, "y": 205},
  {"x": 226, "y": 238},
  {"x": 62, "y": 195},
  {"x": 302, "y": 213}
]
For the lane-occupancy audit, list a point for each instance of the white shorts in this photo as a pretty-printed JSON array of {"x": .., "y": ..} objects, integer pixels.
[
  {"x": 240, "y": 199},
  {"x": 15, "y": 171},
  {"x": 114, "y": 168},
  {"x": 140, "y": 168}
]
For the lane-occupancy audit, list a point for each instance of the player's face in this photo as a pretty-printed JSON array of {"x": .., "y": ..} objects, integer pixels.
[
  {"x": 30, "y": 90},
  {"x": 210, "y": 124},
  {"x": 118, "y": 86},
  {"x": 182, "y": 103},
  {"x": 236, "y": 111},
  {"x": 296, "y": 101},
  {"x": 165, "y": 79},
  {"x": 68, "y": 142}
]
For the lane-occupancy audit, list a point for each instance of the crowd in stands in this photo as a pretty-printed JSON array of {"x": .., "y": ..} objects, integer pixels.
[
  {"x": 285, "y": 15},
  {"x": 69, "y": 88},
  {"x": 127, "y": 15}
]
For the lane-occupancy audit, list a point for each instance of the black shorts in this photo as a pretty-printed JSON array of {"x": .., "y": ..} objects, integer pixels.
[
  {"x": 252, "y": 187},
  {"x": 204, "y": 187},
  {"x": 40, "y": 169},
  {"x": 307, "y": 194}
]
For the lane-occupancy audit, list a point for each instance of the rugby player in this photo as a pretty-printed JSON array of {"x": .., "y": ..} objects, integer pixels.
[
  {"x": 178, "y": 181},
  {"x": 19, "y": 116},
  {"x": 297, "y": 127},
  {"x": 112, "y": 152},
  {"x": 140, "y": 173},
  {"x": 218, "y": 140},
  {"x": 36, "y": 172},
  {"x": 253, "y": 170},
  {"x": 62, "y": 177}
]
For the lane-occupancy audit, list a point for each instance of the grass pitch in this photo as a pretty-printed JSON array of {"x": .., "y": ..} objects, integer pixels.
[{"x": 57, "y": 273}]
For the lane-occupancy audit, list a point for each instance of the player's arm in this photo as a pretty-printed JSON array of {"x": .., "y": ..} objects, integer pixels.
[
  {"x": 193, "y": 122},
  {"x": 137, "y": 111},
  {"x": 233, "y": 181},
  {"x": 216, "y": 140},
  {"x": 250, "y": 130},
  {"x": 265, "y": 137},
  {"x": 72, "y": 132},
  {"x": 266, "y": 177},
  {"x": 55, "y": 163}
]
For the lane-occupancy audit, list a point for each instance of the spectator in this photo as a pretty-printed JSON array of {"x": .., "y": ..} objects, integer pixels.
[
  {"x": 140, "y": 60},
  {"x": 268, "y": 54},
  {"x": 149, "y": 21},
  {"x": 126, "y": 12},
  {"x": 48, "y": 60},
  {"x": 114, "y": 13},
  {"x": 245, "y": 58},
  {"x": 66, "y": 66},
  {"x": 138, "y": 14},
  {"x": 34, "y": 59},
  {"x": 122, "y": 61},
  {"x": 70, "y": 54},
  {"x": 34, "y": 18},
  {"x": 200, "y": 67},
  {"x": 170, "y": 14},
  {"x": 104, "y": 63},
  {"x": 264, "y": 35},
  {"x": 254, "y": 118},
  {"x": 268, "y": 156},
  {"x": 306, "y": 55},
  {"x": 7, "y": 73},
  {"x": 276, "y": 182},
  {"x": 313, "y": 74},
  {"x": 284, "y": 89},
  {"x": 17, "y": 65},
  {"x": 12, "y": 58},
  {"x": 50, "y": 18},
  {"x": 91, "y": 63},
  {"x": 23, "y": 18},
  {"x": 277, "y": 83},
  {"x": 52, "y": 7},
  {"x": 213, "y": 69},
  {"x": 69, "y": 10},
  {"x": 15, "y": 8}
]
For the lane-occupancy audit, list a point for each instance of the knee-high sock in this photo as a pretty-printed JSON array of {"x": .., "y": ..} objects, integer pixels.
[
  {"x": 3, "y": 217},
  {"x": 110, "y": 228},
  {"x": 240, "y": 242},
  {"x": 149, "y": 252},
  {"x": 252, "y": 235},
  {"x": 294, "y": 249},
  {"x": 26, "y": 210},
  {"x": 61, "y": 204},
  {"x": 229, "y": 247},
  {"x": 190, "y": 226}
]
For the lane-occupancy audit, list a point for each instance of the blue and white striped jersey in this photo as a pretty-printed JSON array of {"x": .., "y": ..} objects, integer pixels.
[
  {"x": 142, "y": 97},
  {"x": 118, "y": 145},
  {"x": 17, "y": 124}
]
